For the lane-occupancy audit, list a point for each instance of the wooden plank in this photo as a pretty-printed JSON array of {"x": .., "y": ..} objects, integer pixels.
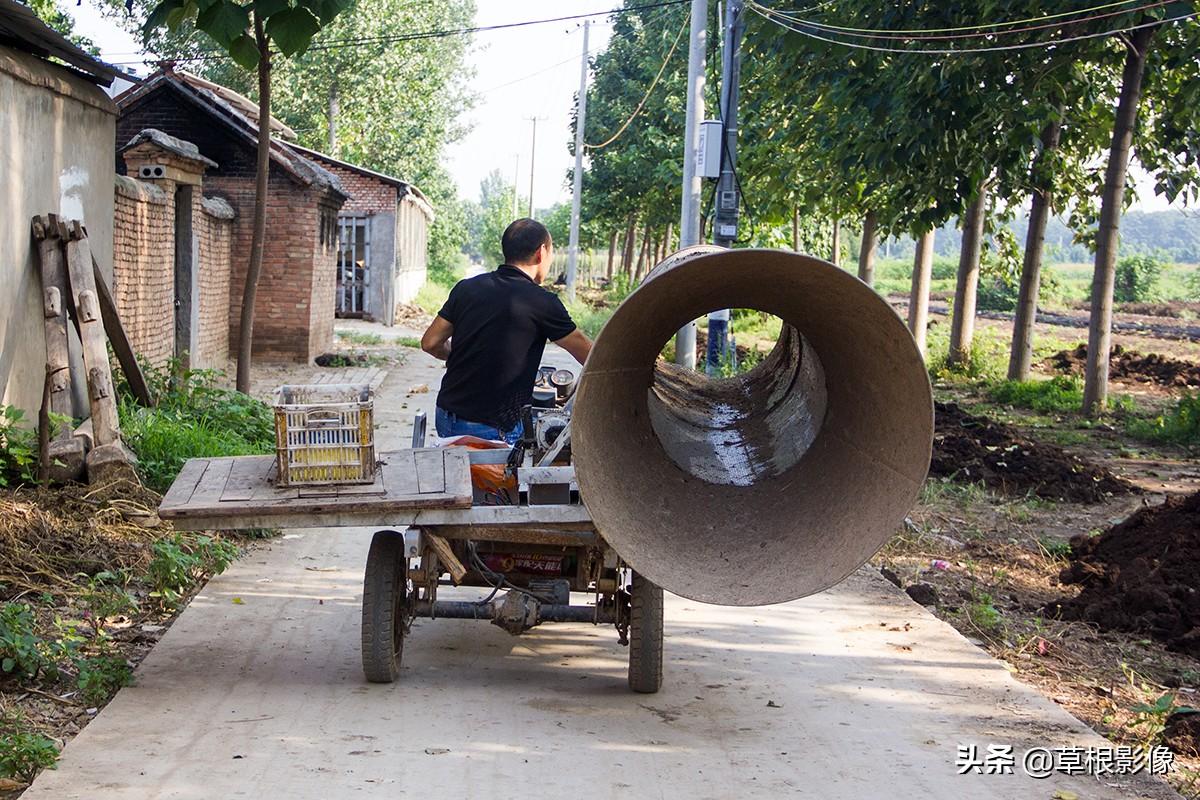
[
  {"x": 106, "y": 428},
  {"x": 431, "y": 470},
  {"x": 446, "y": 556},
  {"x": 184, "y": 487},
  {"x": 120, "y": 342},
  {"x": 54, "y": 308},
  {"x": 211, "y": 485},
  {"x": 399, "y": 472},
  {"x": 494, "y": 523},
  {"x": 456, "y": 466},
  {"x": 213, "y": 491},
  {"x": 244, "y": 476}
]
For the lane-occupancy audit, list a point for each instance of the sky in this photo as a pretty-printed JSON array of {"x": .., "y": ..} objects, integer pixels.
[{"x": 519, "y": 74}]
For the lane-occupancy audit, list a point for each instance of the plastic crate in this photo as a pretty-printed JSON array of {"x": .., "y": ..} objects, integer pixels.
[{"x": 324, "y": 435}]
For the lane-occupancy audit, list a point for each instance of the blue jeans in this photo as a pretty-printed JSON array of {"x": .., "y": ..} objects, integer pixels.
[{"x": 450, "y": 424}]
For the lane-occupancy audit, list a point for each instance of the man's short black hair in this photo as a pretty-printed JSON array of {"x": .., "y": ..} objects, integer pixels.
[{"x": 522, "y": 239}]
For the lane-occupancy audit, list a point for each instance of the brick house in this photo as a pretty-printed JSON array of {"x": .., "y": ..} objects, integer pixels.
[
  {"x": 294, "y": 310},
  {"x": 383, "y": 234}
]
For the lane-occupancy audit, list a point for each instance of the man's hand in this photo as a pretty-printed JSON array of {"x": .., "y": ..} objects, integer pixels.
[
  {"x": 436, "y": 340},
  {"x": 576, "y": 343}
]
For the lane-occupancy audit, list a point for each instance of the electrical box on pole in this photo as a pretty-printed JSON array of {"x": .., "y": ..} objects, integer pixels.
[{"x": 708, "y": 155}]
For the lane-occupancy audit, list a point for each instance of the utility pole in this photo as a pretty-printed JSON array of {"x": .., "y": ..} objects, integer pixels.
[
  {"x": 728, "y": 200},
  {"x": 532, "y": 155},
  {"x": 689, "y": 212},
  {"x": 577, "y": 189},
  {"x": 516, "y": 177}
]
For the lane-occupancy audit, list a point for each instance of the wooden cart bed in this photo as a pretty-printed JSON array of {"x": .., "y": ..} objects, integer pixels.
[{"x": 430, "y": 486}]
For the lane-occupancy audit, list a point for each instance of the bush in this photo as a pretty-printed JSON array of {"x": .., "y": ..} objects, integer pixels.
[
  {"x": 1137, "y": 279},
  {"x": 21, "y": 652},
  {"x": 944, "y": 268},
  {"x": 1063, "y": 394},
  {"x": 1179, "y": 425},
  {"x": 18, "y": 448},
  {"x": 22, "y": 755},
  {"x": 101, "y": 676},
  {"x": 180, "y": 562}
]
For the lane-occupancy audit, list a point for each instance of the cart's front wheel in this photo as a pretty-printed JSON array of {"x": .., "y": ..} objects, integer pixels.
[
  {"x": 384, "y": 607},
  {"x": 645, "y": 635}
]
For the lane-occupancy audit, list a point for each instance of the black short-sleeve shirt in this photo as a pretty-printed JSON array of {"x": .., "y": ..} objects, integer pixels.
[{"x": 501, "y": 321}]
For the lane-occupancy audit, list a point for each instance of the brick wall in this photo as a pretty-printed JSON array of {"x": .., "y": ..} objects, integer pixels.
[
  {"x": 286, "y": 304},
  {"x": 144, "y": 267},
  {"x": 367, "y": 195},
  {"x": 214, "y": 229}
]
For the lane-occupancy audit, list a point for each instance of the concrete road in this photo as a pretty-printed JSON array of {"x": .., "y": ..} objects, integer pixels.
[{"x": 853, "y": 693}]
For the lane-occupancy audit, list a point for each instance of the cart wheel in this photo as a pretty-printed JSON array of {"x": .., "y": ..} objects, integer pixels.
[
  {"x": 385, "y": 601},
  {"x": 645, "y": 635}
]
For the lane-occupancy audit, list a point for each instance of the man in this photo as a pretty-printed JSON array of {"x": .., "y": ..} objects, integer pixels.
[{"x": 491, "y": 333}]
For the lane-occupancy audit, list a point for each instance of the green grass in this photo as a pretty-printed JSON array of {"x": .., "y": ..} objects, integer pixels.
[
  {"x": 987, "y": 361},
  {"x": 194, "y": 418},
  {"x": 360, "y": 338},
  {"x": 431, "y": 297},
  {"x": 589, "y": 318},
  {"x": 1179, "y": 425},
  {"x": 1060, "y": 395},
  {"x": 409, "y": 341}
]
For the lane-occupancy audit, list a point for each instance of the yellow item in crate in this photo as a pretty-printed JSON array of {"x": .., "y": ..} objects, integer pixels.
[{"x": 324, "y": 435}]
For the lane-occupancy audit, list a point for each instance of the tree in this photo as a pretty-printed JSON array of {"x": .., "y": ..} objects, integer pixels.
[{"x": 247, "y": 32}]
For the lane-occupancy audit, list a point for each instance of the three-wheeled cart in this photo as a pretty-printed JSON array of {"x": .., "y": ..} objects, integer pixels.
[{"x": 531, "y": 548}]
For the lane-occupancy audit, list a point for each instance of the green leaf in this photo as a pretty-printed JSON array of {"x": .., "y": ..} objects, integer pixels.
[
  {"x": 293, "y": 29},
  {"x": 224, "y": 21},
  {"x": 158, "y": 17},
  {"x": 8, "y": 665},
  {"x": 266, "y": 8},
  {"x": 244, "y": 51},
  {"x": 178, "y": 15}
]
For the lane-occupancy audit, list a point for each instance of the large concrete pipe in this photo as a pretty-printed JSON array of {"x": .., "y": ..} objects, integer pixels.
[{"x": 771, "y": 485}]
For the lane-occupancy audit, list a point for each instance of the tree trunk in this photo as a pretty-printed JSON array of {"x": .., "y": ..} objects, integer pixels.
[
  {"x": 334, "y": 108},
  {"x": 262, "y": 166},
  {"x": 643, "y": 253},
  {"x": 962, "y": 322},
  {"x": 1095, "y": 388},
  {"x": 866, "y": 250},
  {"x": 836, "y": 244},
  {"x": 796, "y": 228},
  {"x": 627, "y": 253},
  {"x": 612, "y": 252},
  {"x": 918, "y": 299},
  {"x": 1021, "y": 357},
  {"x": 668, "y": 237}
]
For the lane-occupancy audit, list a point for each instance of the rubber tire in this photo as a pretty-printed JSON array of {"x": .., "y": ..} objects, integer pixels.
[
  {"x": 385, "y": 587},
  {"x": 645, "y": 636}
]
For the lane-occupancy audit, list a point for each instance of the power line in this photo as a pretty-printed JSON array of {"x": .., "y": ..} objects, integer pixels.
[
  {"x": 443, "y": 33},
  {"x": 437, "y": 34},
  {"x": 965, "y": 50},
  {"x": 918, "y": 36},
  {"x": 792, "y": 15},
  {"x": 661, "y": 16},
  {"x": 646, "y": 96}
]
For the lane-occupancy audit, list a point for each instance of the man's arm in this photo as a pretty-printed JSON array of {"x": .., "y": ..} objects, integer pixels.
[
  {"x": 577, "y": 344},
  {"x": 436, "y": 340}
]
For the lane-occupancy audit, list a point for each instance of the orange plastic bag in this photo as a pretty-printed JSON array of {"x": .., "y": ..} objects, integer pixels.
[{"x": 487, "y": 478}]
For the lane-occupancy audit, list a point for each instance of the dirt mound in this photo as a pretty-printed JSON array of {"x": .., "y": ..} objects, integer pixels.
[
  {"x": 1142, "y": 575},
  {"x": 1131, "y": 366},
  {"x": 971, "y": 448}
]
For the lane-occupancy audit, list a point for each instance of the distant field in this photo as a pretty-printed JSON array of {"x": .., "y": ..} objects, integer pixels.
[{"x": 1075, "y": 280}]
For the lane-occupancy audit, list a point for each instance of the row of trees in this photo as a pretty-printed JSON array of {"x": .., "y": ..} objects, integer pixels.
[{"x": 901, "y": 142}]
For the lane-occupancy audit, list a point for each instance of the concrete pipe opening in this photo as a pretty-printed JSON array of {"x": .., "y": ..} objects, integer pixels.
[{"x": 766, "y": 486}]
